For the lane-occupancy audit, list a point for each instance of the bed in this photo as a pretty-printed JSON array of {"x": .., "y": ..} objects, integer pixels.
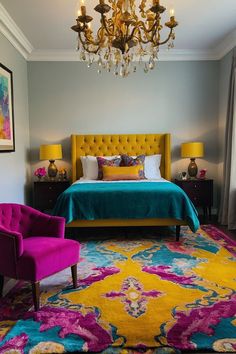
[{"x": 110, "y": 145}]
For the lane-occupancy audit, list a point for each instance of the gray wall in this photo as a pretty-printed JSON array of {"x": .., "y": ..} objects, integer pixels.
[
  {"x": 177, "y": 97},
  {"x": 15, "y": 170}
]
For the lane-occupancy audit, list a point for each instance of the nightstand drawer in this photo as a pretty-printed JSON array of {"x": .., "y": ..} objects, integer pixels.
[
  {"x": 199, "y": 191},
  {"x": 197, "y": 200},
  {"x": 46, "y": 193}
]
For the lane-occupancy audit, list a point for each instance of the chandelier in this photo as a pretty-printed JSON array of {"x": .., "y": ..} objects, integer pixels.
[{"x": 125, "y": 37}]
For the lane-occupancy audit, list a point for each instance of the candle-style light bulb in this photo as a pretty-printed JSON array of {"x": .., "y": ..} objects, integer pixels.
[
  {"x": 79, "y": 13},
  {"x": 172, "y": 12},
  {"x": 83, "y": 8}
]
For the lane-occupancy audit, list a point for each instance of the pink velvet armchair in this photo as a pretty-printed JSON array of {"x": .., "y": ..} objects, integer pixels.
[{"x": 32, "y": 247}]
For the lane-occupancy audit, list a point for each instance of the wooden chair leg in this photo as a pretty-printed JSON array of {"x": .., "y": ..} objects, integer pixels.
[
  {"x": 177, "y": 233},
  {"x": 1, "y": 284},
  {"x": 74, "y": 275},
  {"x": 36, "y": 292}
]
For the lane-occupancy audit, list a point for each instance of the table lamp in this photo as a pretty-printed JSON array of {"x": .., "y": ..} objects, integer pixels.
[
  {"x": 51, "y": 153},
  {"x": 192, "y": 150}
]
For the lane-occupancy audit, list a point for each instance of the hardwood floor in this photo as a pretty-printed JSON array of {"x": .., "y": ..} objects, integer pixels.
[
  {"x": 230, "y": 233},
  {"x": 113, "y": 232},
  {"x": 213, "y": 221}
]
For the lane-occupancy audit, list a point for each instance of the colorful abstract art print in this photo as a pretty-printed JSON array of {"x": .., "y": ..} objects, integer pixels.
[{"x": 7, "y": 142}]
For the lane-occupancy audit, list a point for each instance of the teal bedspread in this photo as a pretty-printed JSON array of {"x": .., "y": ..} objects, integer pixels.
[{"x": 126, "y": 200}]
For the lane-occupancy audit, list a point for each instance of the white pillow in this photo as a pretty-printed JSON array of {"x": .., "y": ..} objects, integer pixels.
[
  {"x": 90, "y": 166},
  {"x": 152, "y": 166}
]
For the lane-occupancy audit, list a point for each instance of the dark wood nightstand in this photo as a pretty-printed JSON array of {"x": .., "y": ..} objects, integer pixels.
[
  {"x": 200, "y": 191},
  {"x": 47, "y": 192}
]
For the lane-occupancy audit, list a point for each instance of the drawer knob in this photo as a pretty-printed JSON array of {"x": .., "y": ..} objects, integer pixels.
[{"x": 50, "y": 188}]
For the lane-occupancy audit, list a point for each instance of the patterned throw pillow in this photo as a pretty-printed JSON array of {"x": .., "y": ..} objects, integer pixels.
[
  {"x": 127, "y": 160},
  {"x": 104, "y": 162}
]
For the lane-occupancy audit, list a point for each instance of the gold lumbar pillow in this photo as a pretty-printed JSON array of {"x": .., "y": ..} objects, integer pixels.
[{"x": 112, "y": 173}]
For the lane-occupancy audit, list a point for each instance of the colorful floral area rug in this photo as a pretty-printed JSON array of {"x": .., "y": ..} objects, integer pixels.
[{"x": 135, "y": 294}]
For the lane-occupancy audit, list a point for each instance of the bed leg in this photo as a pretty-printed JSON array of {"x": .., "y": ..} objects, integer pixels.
[{"x": 177, "y": 233}]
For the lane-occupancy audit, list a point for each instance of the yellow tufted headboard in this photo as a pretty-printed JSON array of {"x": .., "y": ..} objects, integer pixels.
[{"x": 109, "y": 145}]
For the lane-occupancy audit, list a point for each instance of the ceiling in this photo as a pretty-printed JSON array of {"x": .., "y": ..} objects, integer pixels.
[{"x": 203, "y": 25}]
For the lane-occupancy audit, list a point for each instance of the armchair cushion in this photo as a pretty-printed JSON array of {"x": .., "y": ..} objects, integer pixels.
[{"x": 44, "y": 256}]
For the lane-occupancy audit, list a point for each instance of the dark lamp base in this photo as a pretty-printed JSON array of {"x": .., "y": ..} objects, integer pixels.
[{"x": 192, "y": 169}]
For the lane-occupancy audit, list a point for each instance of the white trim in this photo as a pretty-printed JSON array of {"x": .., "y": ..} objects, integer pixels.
[
  {"x": 54, "y": 55},
  {"x": 186, "y": 55},
  {"x": 13, "y": 33},
  {"x": 164, "y": 55},
  {"x": 225, "y": 46}
]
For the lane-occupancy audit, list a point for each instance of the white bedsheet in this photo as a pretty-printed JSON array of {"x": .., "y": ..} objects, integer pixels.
[{"x": 84, "y": 180}]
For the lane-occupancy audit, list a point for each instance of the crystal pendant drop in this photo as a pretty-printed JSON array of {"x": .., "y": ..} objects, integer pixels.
[
  {"x": 116, "y": 72},
  {"x": 99, "y": 71},
  {"x": 170, "y": 44},
  {"x": 90, "y": 62},
  {"x": 100, "y": 62},
  {"x": 108, "y": 66},
  {"x": 145, "y": 68},
  {"x": 122, "y": 70},
  {"x": 82, "y": 56},
  {"x": 126, "y": 71},
  {"x": 135, "y": 69},
  {"x": 77, "y": 44},
  {"x": 151, "y": 63}
]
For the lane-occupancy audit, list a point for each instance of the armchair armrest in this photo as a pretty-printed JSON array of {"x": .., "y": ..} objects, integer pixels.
[
  {"x": 11, "y": 244},
  {"x": 47, "y": 225}
]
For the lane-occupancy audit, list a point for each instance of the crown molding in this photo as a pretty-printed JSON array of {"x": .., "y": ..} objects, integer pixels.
[
  {"x": 164, "y": 55},
  {"x": 53, "y": 55},
  {"x": 13, "y": 33},
  {"x": 186, "y": 55},
  {"x": 226, "y": 45}
]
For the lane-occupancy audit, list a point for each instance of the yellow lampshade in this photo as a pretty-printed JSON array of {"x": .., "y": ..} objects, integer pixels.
[
  {"x": 50, "y": 152},
  {"x": 192, "y": 150}
]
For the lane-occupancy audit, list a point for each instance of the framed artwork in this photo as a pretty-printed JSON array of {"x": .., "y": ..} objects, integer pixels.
[{"x": 7, "y": 137}]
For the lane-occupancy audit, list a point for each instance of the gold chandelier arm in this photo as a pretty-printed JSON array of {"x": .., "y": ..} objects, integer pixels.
[
  {"x": 140, "y": 38},
  {"x": 103, "y": 20},
  {"x": 137, "y": 28},
  {"x": 93, "y": 42},
  {"x": 168, "y": 38},
  {"x": 86, "y": 47},
  {"x": 142, "y": 24}
]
